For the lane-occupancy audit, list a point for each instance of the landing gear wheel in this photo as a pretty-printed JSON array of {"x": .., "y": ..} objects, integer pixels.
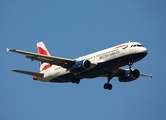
[
  {"x": 77, "y": 81},
  {"x": 107, "y": 86},
  {"x": 73, "y": 81}
]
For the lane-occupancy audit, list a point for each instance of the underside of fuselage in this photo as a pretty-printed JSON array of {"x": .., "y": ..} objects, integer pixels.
[{"x": 102, "y": 68}]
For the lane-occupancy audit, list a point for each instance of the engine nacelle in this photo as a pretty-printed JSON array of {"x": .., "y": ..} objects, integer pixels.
[
  {"x": 81, "y": 66},
  {"x": 127, "y": 77}
]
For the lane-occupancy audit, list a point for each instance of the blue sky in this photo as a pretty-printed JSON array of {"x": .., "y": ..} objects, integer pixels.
[{"x": 71, "y": 29}]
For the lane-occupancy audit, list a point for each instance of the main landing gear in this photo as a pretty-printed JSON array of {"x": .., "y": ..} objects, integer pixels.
[
  {"x": 108, "y": 85},
  {"x": 109, "y": 77},
  {"x": 75, "y": 80}
]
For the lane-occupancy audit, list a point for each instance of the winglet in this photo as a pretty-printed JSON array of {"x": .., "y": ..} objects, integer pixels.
[{"x": 7, "y": 49}]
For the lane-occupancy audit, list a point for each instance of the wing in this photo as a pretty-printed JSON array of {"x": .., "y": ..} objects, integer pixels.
[
  {"x": 64, "y": 62},
  {"x": 146, "y": 75},
  {"x": 118, "y": 71},
  {"x": 141, "y": 74}
]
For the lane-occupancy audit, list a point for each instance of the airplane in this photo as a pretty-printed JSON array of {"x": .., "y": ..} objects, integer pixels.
[{"x": 105, "y": 63}]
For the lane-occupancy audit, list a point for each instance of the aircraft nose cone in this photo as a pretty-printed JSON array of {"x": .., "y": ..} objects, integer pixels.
[{"x": 145, "y": 50}]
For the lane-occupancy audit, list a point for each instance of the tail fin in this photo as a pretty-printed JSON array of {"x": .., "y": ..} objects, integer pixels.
[{"x": 41, "y": 49}]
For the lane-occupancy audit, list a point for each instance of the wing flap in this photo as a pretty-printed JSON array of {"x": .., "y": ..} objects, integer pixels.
[{"x": 29, "y": 73}]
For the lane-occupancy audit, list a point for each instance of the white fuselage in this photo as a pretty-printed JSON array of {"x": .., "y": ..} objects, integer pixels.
[{"x": 116, "y": 53}]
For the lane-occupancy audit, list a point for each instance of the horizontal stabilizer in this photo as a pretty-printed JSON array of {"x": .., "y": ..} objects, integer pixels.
[{"x": 29, "y": 73}]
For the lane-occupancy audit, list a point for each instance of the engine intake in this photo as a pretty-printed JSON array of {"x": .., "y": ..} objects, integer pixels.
[
  {"x": 81, "y": 66},
  {"x": 128, "y": 76}
]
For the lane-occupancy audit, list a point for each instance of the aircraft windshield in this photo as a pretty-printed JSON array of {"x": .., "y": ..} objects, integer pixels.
[{"x": 137, "y": 45}]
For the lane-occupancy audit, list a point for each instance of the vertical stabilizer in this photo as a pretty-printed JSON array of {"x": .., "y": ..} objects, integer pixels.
[{"x": 41, "y": 49}]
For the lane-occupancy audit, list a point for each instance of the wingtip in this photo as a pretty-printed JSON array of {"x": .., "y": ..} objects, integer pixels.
[
  {"x": 14, "y": 70},
  {"x": 7, "y": 49},
  {"x": 150, "y": 77}
]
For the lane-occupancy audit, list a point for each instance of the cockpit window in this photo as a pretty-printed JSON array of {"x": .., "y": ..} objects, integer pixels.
[
  {"x": 137, "y": 45},
  {"x": 140, "y": 45}
]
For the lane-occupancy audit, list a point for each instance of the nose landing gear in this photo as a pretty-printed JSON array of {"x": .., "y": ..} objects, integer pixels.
[{"x": 130, "y": 67}]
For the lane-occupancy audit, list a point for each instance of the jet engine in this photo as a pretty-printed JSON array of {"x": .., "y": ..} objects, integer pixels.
[
  {"x": 81, "y": 66},
  {"x": 128, "y": 76}
]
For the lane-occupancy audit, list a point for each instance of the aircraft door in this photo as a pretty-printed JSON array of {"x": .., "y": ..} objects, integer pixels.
[{"x": 122, "y": 51}]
